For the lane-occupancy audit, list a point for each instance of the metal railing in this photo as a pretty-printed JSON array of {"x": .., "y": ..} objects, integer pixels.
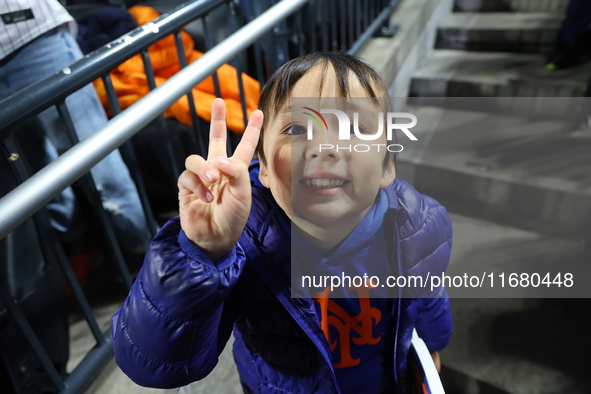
[{"x": 276, "y": 33}]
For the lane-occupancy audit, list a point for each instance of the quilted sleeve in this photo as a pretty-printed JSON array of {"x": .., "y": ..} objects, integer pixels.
[
  {"x": 425, "y": 242},
  {"x": 167, "y": 333},
  {"x": 434, "y": 324}
]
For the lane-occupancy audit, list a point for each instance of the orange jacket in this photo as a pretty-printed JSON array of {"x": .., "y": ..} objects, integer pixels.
[{"x": 131, "y": 84}]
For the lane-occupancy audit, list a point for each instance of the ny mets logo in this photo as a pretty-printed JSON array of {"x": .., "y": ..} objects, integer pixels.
[{"x": 358, "y": 329}]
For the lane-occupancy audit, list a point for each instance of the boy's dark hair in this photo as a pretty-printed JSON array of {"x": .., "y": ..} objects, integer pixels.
[{"x": 276, "y": 91}]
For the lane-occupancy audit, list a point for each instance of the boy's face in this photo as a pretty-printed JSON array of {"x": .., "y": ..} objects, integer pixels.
[{"x": 323, "y": 187}]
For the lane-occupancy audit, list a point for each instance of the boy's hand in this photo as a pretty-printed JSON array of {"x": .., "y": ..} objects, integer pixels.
[
  {"x": 436, "y": 361},
  {"x": 215, "y": 194}
]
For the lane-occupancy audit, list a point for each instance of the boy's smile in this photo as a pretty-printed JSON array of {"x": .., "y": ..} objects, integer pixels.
[
  {"x": 325, "y": 192},
  {"x": 323, "y": 183}
]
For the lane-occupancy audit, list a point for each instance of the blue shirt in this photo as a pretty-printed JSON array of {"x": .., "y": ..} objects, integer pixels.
[{"x": 356, "y": 326}]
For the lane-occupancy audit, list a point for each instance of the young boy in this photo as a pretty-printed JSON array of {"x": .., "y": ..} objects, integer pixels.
[{"x": 226, "y": 264}]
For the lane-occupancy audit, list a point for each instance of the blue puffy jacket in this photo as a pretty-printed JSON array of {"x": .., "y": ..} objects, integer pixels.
[{"x": 182, "y": 307}]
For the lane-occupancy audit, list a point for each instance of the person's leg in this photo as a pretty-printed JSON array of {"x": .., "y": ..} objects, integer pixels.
[
  {"x": 112, "y": 178},
  {"x": 16, "y": 73},
  {"x": 118, "y": 191},
  {"x": 65, "y": 215},
  {"x": 568, "y": 50},
  {"x": 576, "y": 22}
]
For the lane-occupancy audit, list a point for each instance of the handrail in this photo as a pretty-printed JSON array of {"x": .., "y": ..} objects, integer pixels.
[
  {"x": 30, "y": 196},
  {"x": 44, "y": 93},
  {"x": 371, "y": 30}
]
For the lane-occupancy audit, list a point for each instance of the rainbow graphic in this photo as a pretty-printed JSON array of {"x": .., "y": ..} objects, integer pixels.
[{"x": 316, "y": 117}]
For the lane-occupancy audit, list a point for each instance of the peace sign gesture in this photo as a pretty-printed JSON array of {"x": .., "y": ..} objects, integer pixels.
[{"x": 215, "y": 194}]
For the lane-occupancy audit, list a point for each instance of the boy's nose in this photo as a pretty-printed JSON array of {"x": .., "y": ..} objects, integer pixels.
[
  {"x": 323, "y": 149},
  {"x": 323, "y": 153}
]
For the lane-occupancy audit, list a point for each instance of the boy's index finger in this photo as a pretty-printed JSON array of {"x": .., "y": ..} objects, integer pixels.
[
  {"x": 248, "y": 143},
  {"x": 217, "y": 129}
]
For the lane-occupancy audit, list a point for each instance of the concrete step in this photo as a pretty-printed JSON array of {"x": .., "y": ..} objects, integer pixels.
[
  {"x": 517, "y": 346},
  {"x": 529, "y": 173},
  {"x": 529, "y": 32},
  {"x": 451, "y": 73},
  {"x": 514, "y": 345},
  {"x": 491, "y": 253},
  {"x": 390, "y": 56},
  {"x": 554, "y": 6}
]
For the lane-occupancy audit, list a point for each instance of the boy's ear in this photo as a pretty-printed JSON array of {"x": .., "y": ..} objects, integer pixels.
[
  {"x": 263, "y": 172},
  {"x": 388, "y": 174}
]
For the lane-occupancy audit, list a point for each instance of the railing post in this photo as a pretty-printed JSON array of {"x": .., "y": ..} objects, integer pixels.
[
  {"x": 196, "y": 136},
  {"x": 174, "y": 170},
  {"x": 94, "y": 197},
  {"x": 130, "y": 159}
]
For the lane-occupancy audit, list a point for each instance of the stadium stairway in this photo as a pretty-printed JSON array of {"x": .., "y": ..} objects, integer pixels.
[{"x": 505, "y": 145}]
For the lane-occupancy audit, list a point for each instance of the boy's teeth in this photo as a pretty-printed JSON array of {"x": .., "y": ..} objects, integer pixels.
[{"x": 324, "y": 182}]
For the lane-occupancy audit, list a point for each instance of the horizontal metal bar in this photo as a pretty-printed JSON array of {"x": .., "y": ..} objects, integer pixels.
[
  {"x": 44, "y": 93},
  {"x": 22, "y": 202},
  {"x": 89, "y": 367},
  {"x": 375, "y": 25}
]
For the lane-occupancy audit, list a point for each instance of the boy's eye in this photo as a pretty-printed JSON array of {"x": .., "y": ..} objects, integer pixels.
[
  {"x": 362, "y": 129},
  {"x": 295, "y": 129}
]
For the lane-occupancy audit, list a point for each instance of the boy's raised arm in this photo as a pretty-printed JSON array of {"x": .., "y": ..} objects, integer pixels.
[{"x": 178, "y": 316}]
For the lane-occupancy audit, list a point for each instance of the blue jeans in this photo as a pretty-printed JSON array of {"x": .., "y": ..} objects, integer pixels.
[
  {"x": 578, "y": 17},
  {"x": 46, "y": 55}
]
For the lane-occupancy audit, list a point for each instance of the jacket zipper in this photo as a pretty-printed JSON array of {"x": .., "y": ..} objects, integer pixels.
[{"x": 291, "y": 308}]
